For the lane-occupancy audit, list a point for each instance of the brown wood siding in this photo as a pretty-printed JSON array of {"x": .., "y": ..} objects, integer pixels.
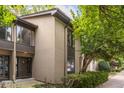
[
  {"x": 5, "y": 52},
  {"x": 24, "y": 48},
  {"x": 7, "y": 45}
]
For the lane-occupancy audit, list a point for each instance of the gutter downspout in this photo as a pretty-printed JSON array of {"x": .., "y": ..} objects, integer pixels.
[{"x": 65, "y": 49}]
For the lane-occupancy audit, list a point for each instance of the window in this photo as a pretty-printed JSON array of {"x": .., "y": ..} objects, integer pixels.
[
  {"x": 23, "y": 35},
  {"x": 70, "y": 65},
  {"x": 32, "y": 38},
  {"x": 6, "y": 33},
  {"x": 70, "y": 38},
  {"x": 9, "y": 33},
  {"x": 2, "y": 32},
  {"x": 70, "y": 52},
  {"x": 24, "y": 67},
  {"x": 4, "y": 67}
]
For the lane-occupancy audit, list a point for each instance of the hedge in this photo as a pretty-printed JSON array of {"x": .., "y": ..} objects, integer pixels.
[
  {"x": 104, "y": 66},
  {"x": 86, "y": 80}
]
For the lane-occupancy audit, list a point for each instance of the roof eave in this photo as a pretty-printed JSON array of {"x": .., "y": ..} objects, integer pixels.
[
  {"x": 26, "y": 24},
  {"x": 62, "y": 17},
  {"x": 54, "y": 12}
]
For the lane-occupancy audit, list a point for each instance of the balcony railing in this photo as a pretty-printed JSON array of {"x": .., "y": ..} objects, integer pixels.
[
  {"x": 24, "y": 48},
  {"x": 7, "y": 45}
]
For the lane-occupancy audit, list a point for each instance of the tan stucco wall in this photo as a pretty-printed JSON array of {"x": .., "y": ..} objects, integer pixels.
[
  {"x": 44, "y": 59},
  {"x": 59, "y": 50},
  {"x": 50, "y": 49}
]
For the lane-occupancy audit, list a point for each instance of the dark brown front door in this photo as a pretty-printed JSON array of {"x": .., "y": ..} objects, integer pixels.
[{"x": 24, "y": 66}]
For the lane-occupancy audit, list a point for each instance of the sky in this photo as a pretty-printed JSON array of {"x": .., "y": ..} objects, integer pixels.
[{"x": 66, "y": 9}]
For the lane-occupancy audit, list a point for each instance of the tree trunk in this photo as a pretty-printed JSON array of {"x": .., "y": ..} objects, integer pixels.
[{"x": 87, "y": 60}]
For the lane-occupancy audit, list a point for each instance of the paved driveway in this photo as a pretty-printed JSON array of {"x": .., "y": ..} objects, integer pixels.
[{"x": 116, "y": 81}]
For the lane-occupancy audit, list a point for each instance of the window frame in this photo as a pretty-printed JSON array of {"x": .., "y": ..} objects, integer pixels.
[
  {"x": 69, "y": 48},
  {"x": 6, "y": 33},
  {"x": 30, "y": 37},
  {"x": 3, "y": 58}
]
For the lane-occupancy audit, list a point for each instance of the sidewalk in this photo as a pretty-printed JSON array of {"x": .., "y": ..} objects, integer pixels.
[{"x": 116, "y": 81}]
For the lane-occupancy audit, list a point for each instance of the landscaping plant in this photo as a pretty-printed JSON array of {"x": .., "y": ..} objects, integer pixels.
[
  {"x": 104, "y": 66},
  {"x": 86, "y": 80},
  {"x": 100, "y": 30}
]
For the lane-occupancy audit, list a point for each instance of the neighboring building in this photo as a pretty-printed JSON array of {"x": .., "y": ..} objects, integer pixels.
[
  {"x": 40, "y": 46},
  {"x": 93, "y": 66}
]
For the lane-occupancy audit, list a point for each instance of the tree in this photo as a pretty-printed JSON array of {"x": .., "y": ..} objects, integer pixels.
[
  {"x": 6, "y": 17},
  {"x": 100, "y": 30},
  {"x": 8, "y": 13},
  {"x": 37, "y": 8},
  {"x": 19, "y": 10}
]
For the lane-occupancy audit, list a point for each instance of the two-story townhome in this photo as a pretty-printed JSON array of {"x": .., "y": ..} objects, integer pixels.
[{"x": 39, "y": 46}]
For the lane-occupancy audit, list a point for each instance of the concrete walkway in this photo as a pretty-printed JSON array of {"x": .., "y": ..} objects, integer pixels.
[
  {"x": 26, "y": 83},
  {"x": 19, "y": 83},
  {"x": 116, "y": 81}
]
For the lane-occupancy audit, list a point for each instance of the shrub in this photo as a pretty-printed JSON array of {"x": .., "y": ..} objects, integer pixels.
[
  {"x": 118, "y": 69},
  {"x": 122, "y": 68},
  {"x": 104, "y": 66},
  {"x": 48, "y": 85},
  {"x": 86, "y": 80},
  {"x": 119, "y": 63}
]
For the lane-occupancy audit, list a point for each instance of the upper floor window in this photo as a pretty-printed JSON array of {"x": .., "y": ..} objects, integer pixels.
[
  {"x": 70, "y": 52},
  {"x": 6, "y": 33},
  {"x": 23, "y": 35},
  {"x": 70, "y": 38}
]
